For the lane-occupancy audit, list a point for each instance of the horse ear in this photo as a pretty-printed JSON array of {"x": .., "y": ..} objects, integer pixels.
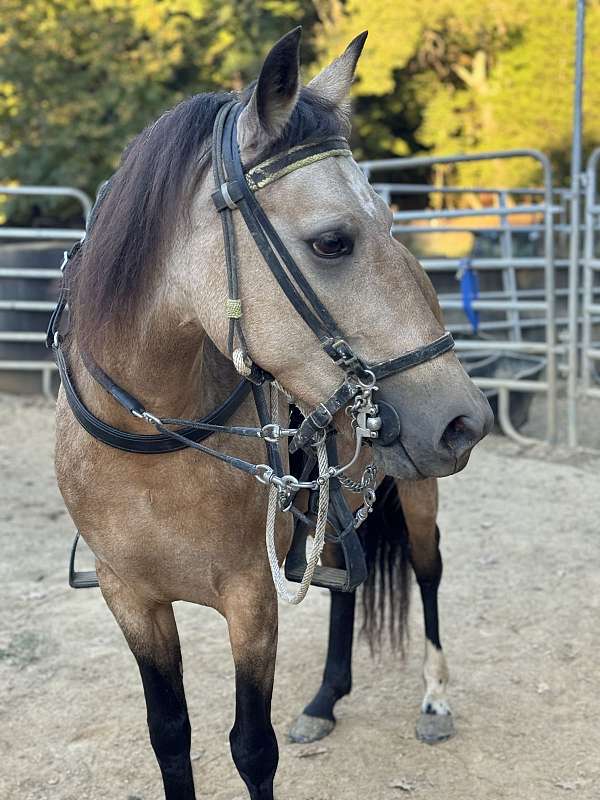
[
  {"x": 275, "y": 94},
  {"x": 334, "y": 82}
]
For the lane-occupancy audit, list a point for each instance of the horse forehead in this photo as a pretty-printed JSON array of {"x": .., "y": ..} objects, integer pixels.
[{"x": 336, "y": 185}]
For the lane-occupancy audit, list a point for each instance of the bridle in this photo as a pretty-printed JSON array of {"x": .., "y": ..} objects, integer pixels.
[{"x": 235, "y": 191}]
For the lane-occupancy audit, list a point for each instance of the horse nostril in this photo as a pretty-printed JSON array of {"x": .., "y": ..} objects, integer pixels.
[{"x": 461, "y": 434}]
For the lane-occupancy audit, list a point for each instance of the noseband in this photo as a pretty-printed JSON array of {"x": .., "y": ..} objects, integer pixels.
[{"x": 235, "y": 191}]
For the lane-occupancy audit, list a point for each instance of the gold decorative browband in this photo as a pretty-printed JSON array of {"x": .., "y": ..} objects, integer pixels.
[{"x": 282, "y": 164}]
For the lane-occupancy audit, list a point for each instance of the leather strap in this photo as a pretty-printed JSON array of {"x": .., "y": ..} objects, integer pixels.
[
  {"x": 147, "y": 444},
  {"x": 61, "y": 303},
  {"x": 278, "y": 258},
  {"x": 321, "y": 417},
  {"x": 128, "y": 401},
  {"x": 409, "y": 360}
]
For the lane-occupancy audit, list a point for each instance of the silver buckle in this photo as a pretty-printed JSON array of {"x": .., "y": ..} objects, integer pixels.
[
  {"x": 147, "y": 417},
  {"x": 273, "y": 432}
]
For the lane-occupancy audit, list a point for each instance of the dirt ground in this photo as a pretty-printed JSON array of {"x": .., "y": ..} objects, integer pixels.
[{"x": 520, "y": 610}]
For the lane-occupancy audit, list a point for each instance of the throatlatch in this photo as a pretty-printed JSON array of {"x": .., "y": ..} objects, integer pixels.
[{"x": 329, "y": 515}]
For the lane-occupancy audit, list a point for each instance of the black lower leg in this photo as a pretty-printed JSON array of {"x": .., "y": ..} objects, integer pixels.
[
  {"x": 252, "y": 738},
  {"x": 337, "y": 676},
  {"x": 169, "y": 728},
  {"x": 435, "y": 723},
  {"x": 429, "y": 579}
]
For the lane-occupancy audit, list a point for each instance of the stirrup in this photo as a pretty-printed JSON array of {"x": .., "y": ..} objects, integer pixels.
[
  {"x": 333, "y": 578},
  {"x": 86, "y": 579}
]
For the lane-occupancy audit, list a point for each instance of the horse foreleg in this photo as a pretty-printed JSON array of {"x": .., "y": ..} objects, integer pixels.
[
  {"x": 419, "y": 503},
  {"x": 317, "y": 720},
  {"x": 252, "y": 621},
  {"x": 151, "y": 633}
]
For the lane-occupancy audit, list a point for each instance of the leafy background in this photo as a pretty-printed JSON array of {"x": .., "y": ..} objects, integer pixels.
[{"x": 79, "y": 78}]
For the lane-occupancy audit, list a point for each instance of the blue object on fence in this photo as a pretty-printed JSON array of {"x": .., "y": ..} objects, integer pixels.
[{"x": 469, "y": 288}]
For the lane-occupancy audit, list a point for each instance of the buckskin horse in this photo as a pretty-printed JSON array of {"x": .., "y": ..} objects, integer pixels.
[{"x": 238, "y": 236}]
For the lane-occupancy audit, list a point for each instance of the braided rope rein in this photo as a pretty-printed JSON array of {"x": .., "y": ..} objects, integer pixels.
[
  {"x": 240, "y": 362},
  {"x": 294, "y": 598}
]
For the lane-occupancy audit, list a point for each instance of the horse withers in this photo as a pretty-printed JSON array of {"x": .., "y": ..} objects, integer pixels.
[{"x": 151, "y": 306}]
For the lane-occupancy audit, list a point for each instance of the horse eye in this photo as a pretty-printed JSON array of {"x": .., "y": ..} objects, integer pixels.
[{"x": 332, "y": 244}]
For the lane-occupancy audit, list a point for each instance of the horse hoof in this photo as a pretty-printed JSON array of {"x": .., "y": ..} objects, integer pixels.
[
  {"x": 433, "y": 728},
  {"x": 310, "y": 729}
]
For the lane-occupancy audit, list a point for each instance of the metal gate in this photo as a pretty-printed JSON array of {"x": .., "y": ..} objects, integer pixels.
[
  {"x": 525, "y": 318},
  {"x": 27, "y": 294},
  {"x": 532, "y": 319},
  {"x": 590, "y": 333}
]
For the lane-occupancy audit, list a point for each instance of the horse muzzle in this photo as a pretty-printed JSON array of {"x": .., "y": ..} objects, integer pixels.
[{"x": 415, "y": 443}]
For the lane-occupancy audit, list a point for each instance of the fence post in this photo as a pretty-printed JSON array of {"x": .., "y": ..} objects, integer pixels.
[{"x": 575, "y": 242}]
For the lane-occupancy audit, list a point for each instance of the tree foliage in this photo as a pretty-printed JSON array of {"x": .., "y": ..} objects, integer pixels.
[
  {"x": 79, "y": 78},
  {"x": 474, "y": 76}
]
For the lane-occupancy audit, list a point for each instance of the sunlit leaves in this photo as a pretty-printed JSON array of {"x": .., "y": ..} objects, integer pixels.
[{"x": 480, "y": 75}]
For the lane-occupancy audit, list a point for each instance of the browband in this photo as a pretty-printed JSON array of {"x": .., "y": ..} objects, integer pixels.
[
  {"x": 229, "y": 194},
  {"x": 278, "y": 166}
]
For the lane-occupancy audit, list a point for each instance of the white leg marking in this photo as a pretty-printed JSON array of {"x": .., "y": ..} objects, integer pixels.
[{"x": 435, "y": 676}]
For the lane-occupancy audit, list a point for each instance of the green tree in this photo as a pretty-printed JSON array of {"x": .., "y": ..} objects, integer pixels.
[
  {"x": 79, "y": 78},
  {"x": 469, "y": 77}
]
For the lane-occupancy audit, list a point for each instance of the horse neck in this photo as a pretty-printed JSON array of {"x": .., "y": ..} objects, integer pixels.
[{"x": 169, "y": 365}]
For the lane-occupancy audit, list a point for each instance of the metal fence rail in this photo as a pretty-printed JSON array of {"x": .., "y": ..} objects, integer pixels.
[
  {"x": 43, "y": 307},
  {"x": 590, "y": 343},
  {"x": 513, "y": 304}
]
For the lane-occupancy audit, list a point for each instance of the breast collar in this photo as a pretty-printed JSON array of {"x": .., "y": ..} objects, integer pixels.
[{"x": 235, "y": 191}]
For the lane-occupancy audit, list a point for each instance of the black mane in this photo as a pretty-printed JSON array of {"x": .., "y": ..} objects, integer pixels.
[{"x": 149, "y": 196}]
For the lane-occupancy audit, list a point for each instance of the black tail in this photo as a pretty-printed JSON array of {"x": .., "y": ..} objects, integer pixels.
[{"x": 386, "y": 592}]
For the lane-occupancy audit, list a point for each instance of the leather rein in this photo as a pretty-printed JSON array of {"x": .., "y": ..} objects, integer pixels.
[{"x": 235, "y": 188}]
